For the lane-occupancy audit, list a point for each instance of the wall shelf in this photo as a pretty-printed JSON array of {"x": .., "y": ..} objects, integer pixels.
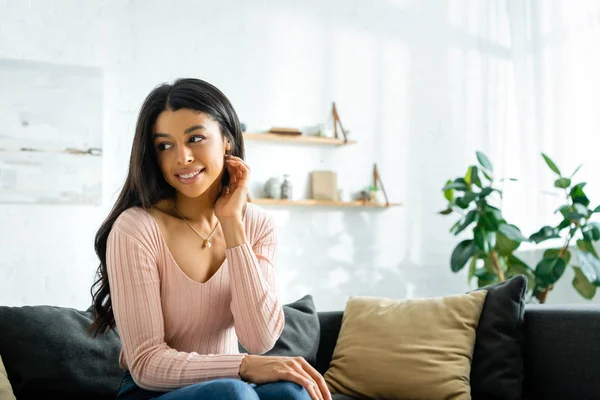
[
  {"x": 300, "y": 139},
  {"x": 321, "y": 203}
]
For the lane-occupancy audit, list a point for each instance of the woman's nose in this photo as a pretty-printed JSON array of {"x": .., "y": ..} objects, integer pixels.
[{"x": 185, "y": 156}]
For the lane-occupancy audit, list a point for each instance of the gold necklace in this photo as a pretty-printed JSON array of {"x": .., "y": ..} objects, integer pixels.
[{"x": 205, "y": 242}]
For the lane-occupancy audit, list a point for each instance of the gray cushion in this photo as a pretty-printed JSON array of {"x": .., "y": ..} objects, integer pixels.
[
  {"x": 47, "y": 352},
  {"x": 497, "y": 370},
  {"x": 301, "y": 333}
]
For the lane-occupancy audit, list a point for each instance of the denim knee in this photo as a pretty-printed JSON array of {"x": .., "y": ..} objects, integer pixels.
[
  {"x": 225, "y": 389},
  {"x": 230, "y": 389},
  {"x": 282, "y": 390}
]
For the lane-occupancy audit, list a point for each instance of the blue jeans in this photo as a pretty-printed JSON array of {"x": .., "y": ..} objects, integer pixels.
[{"x": 222, "y": 389}]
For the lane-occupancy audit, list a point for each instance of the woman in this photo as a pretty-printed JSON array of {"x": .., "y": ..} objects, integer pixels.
[{"x": 187, "y": 266}]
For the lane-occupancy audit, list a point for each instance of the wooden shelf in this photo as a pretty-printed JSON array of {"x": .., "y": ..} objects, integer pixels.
[
  {"x": 273, "y": 137},
  {"x": 322, "y": 203}
]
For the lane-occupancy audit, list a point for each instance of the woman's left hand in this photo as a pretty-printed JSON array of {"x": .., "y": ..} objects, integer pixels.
[{"x": 230, "y": 203}]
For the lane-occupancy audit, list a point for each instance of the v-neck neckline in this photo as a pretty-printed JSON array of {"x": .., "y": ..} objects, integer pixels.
[{"x": 172, "y": 258}]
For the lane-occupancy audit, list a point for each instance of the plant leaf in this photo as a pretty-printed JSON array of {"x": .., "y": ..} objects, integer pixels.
[
  {"x": 464, "y": 201},
  {"x": 472, "y": 268},
  {"x": 517, "y": 266},
  {"x": 468, "y": 175},
  {"x": 449, "y": 193},
  {"x": 578, "y": 195},
  {"x": 597, "y": 209},
  {"x": 489, "y": 221},
  {"x": 497, "y": 213},
  {"x": 570, "y": 213},
  {"x": 505, "y": 246},
  {"x": 595, "y": 230},
  {"x": 485, "y": 192},
  {"x": 549, "y": 270},
  {"x": 562, "y": 183},
  {"x": 563, "y": 224},
  {"x": 512, "y": 232},
  {"x": 479, "y": 235},
  {"x": 491, "y": 239},
  {"x": 471, "y": 217},
  {"x": 582, "y": 284},
  {"x": 551, "y": 253},
  {"x": 446, "y": 211},
  {"x": 590, "y": 265},
  {"x": 545, "y": 233},
  {"x": 585, "y": 245},
  {"x": 475, "y": 180},
  {"x": 576, "y": 169},
  {"x": 551, "y": 164},
  {"x": 458, "y": 184},
  {"x": 488, "y": 176},
  {"x": 484, "y": 161},
  {"x": 461, "y": 254}
]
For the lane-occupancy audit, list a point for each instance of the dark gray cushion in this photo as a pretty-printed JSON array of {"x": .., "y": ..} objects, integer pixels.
[
  {"x": 47, "y": 351},
  {"x": 301, "y": 333},
  {"x": 497, "y": 370}
]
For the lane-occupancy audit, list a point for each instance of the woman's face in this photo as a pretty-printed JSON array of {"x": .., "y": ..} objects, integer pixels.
[{"x": 190, "y": 150}]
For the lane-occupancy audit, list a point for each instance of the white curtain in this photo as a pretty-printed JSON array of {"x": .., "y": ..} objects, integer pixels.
[{"x": 553, "y": 106}]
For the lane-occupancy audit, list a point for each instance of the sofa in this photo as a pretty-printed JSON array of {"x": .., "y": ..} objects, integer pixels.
[
  {"x": 46, "y": 353},
  {"x": 561, "y": 351}
]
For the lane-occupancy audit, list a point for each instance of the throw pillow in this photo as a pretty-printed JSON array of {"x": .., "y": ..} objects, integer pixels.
[
  {"x": 6, "y": 392},
  {"x": 48, "y": 352},
  {"x": 497, "y": 372},
  {"x": 406, "y": 349},
  {"x": 301, "y": 333}
]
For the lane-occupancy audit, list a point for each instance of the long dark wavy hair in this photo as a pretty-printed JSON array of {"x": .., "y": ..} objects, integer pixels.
[{"x": 145, "y": 184}]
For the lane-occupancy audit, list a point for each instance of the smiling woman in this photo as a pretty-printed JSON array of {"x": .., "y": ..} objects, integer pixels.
[{"x": 187, "y": 265}]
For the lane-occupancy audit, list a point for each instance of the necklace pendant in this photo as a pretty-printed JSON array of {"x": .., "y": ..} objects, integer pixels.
[{"x": 206, "y": 243}]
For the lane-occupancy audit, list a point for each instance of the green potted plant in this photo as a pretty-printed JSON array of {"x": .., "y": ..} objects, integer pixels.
[
  {"x": 579, "y": 235},
  {"x": 490, "y": 249}
]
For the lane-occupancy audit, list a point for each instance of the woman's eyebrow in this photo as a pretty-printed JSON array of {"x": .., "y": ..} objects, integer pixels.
[{"x": 186, "y": 132}]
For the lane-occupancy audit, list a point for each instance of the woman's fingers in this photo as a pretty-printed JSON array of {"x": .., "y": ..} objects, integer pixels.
[
  {"x": 232, "y": 173},
  {"x": 317, "y": 377},
  {"x": 240, "y": 165},
  {"x": 306, "y": 383}
]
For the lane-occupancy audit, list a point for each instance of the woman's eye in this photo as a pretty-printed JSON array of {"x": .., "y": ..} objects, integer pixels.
[
  {"x": 163, "y": 146},
  {"x": 196, "y": 139}
]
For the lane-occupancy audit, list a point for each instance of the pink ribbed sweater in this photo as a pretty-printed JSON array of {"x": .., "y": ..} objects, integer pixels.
[{"x": 175, "y": 331}]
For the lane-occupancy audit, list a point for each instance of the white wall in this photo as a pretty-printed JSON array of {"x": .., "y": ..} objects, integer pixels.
[{"x": 407, "y": 77}]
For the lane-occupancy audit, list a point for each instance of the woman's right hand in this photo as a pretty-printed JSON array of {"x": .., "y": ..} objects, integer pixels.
[{"x": 266, "y": 369}]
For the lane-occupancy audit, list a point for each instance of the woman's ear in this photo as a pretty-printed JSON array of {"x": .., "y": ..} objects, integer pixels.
[{"x": 228, "y": 147}]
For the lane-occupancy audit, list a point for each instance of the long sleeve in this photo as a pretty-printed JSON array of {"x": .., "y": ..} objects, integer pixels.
[
  {"x": 135, "y": 292},
  {"x": 256, "y": 308}
]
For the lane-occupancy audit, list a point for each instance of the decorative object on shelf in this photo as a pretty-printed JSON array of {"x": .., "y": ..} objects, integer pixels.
[
  {"x": 243, "y": 126},
  {"x": 363, "y": 196},
  {"x": 286, "y": 187},
  {"x": 285, "y": 131},
  {"x": 336, "y": 121},
  {"x": 272, "y": 188},
  {"x": 324, "y": 185},
  {"x": 378, "y": 184},
  {"x": 375, "y": 195}
]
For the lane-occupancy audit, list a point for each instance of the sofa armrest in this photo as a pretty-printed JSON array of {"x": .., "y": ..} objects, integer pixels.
[{"x": 562, "y": 352}]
